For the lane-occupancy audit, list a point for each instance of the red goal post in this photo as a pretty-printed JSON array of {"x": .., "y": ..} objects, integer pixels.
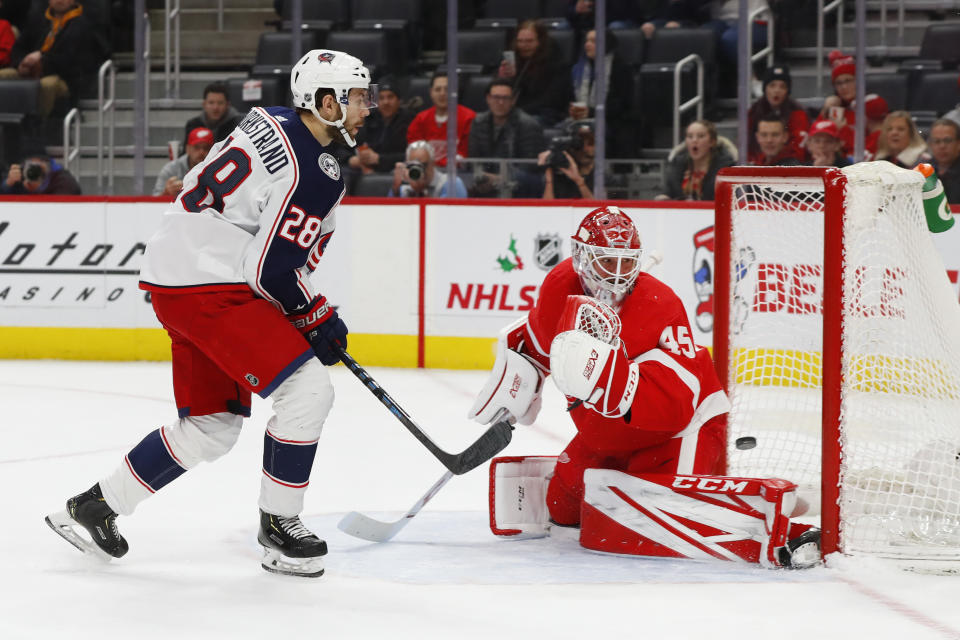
[{"x": 837, "y": 336}]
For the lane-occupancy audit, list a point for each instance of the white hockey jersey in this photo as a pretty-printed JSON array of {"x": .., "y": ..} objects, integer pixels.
[{"x": 257, "y": 212}]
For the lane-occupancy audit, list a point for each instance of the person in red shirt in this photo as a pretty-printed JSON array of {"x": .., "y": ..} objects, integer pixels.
[
  {"x": 644, "y": 399},
  {"x": 431, "y": 124}
]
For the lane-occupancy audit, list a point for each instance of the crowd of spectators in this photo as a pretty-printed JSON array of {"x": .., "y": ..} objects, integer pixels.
[{"x": 536, "y": 136}]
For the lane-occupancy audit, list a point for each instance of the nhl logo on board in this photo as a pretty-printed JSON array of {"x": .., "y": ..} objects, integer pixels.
[
  {"x": 329, "y": 165},
  {"x": 547, "y": 250},
  {"x": 252, "y": 379}
]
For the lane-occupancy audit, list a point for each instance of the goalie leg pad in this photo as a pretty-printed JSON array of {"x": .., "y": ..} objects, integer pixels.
[
  {"x": 687, "y": 516},
  {"x": 518, "y": 506}
]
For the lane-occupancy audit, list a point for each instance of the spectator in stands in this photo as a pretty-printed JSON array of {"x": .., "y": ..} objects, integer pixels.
[
  {"x": 724, "y": 16},
  {"x": 621, "y": 128},
  {"x": 59, "y": 47},
  {"x": 8, "y": 37},
  {"x": 824, "y": 145},
  {"x": 418, "y": 177},
  {"x": 772, "y": 139},
  {"x": 838, "y": 107},
  {"x": 671, "y": 14},
  {"x": 170, "y": 180},
  {"x": 621, "y": 14},
  {"x": 776, "y": 101},
  {"x": 382, "y": 141},
  {"x": 944, "y": 145},
  {"x": 569, "y": 171},
  {"x": 40, "y": 175},
  {"x": 217, "y": 115},
  {"x": 876, "y": 110},
  {"x": 540, "y": 78},
  {"x": 504, "y": 131},
  {"x": 692, "y": 166},
  {"x": 431, "y": 124},
  {"x": 900, "y": 142}
]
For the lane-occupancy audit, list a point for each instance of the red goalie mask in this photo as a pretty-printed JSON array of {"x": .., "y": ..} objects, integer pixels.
[{"x": 606, "y": 254}]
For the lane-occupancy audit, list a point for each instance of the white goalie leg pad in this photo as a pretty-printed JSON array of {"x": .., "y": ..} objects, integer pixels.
[
  {"x": 518, "y": 495},
  {"x": 513, "y": 388},
  {"x": 301, "y": 404},
  {"x": 686, "y": 516},
  {"x": 190, "y": 440}
]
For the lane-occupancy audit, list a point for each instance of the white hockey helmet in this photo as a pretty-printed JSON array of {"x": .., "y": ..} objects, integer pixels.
[
  {"x": 326, "y": 69},
  {"x": 606, "y": 254}
]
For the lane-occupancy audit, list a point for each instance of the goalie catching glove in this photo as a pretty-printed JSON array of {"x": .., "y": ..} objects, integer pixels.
[
  {"x": 588, "y": 360},
  {"x": 512, "y": 391},
  {"x": 323, "y": 329}
]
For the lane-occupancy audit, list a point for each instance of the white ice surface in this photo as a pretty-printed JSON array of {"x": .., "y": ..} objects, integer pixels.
[{"x": 193, "y": 569}]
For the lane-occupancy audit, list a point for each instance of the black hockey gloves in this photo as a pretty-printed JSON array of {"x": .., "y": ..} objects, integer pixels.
[{"x": 323, "y": 328}]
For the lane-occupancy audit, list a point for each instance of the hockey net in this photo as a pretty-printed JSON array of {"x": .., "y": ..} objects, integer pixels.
[{"x": 837, "y": 335}]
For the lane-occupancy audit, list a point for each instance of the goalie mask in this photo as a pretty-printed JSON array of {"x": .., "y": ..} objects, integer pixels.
[
  {"x": 326, "y": 69},
  {"x": 606, "y": 254}
]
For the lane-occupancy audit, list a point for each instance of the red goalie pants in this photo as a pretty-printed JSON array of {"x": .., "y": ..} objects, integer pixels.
[
  {"x": 565, "y": 492},
  {"x": 225, "y": 345}
]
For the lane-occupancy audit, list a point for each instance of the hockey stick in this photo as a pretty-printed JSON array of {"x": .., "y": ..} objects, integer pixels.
[
  {"x": 485, "y": 447},
  {"x": 361, "y": 526}
]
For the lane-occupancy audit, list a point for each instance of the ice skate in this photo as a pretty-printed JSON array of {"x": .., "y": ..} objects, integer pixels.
[
  {"x": 289, "y": 547},
  {"x": 802, "y": 552},
  {"x": 88, "y": 512}
]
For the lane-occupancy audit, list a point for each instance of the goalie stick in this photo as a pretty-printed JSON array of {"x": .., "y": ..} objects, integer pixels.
[
  {"x": 485, "y": 447},
  {"x": 361, "y": 526}
]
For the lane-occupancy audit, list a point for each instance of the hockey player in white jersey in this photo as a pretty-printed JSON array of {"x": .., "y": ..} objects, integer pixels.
[{"x": 228, "y": 273}]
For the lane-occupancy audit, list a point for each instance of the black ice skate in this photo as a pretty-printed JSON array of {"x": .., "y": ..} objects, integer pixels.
[
  {"x": 89, "y": 512},
  {"x": 802, "y": 552},
  {"x": 289, "y": 547}
]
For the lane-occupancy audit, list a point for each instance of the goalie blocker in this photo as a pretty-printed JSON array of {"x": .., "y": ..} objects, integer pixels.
[{"x": 674, "y": 516}]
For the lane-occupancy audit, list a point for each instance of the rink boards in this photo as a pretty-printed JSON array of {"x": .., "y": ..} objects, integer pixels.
[{"x": 419, "y": 283}]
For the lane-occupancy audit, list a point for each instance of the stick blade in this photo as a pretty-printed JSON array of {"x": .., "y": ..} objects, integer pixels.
[
  {"x": 493, "y": 441},
  {"x": 360, "y": 526}
]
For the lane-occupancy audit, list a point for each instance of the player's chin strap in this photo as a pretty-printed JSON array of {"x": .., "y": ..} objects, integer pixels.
[{"x": 338, "y": 124}]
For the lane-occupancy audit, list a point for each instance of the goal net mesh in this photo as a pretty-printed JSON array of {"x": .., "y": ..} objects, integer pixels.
[{"x": 900, "y": 398}]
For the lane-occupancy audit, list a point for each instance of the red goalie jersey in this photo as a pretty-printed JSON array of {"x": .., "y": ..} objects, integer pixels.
[{"x": 651, "y": 401}]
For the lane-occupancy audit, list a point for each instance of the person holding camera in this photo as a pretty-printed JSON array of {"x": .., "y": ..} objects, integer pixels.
[
  {"x": 569, "y": 164},
  {"x": 42, "y": 176},
  {"x": 418, "y": 177}
]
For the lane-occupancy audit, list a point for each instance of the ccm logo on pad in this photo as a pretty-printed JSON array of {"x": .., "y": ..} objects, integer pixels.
[{"x": 722, "y": 485}]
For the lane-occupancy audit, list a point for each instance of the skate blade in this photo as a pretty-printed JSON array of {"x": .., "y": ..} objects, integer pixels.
[
  {"x": 70, "y": 530},
  {"x": 275, "y": 562}
]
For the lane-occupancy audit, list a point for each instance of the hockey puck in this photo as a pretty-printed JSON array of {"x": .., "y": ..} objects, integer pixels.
[{"x": 746, "y": 442}]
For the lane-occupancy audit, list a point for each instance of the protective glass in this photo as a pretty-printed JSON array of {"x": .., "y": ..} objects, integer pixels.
[{"x": 364, "y": 98}]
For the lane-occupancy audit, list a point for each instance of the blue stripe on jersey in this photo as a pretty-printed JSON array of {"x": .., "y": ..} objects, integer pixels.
[
  {"x": 153, "y": 462},
  {"x": 285, "y": 373},
  {"x": 316, "y": 194},
  {"x": 288, "y": 462}
]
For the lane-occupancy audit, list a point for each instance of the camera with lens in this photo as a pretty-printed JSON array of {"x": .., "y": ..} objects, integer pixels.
[
  {"x": 415, "y": 170},
  {"x": 559, "y": 144},
  {"x": 34, "y": 172}
]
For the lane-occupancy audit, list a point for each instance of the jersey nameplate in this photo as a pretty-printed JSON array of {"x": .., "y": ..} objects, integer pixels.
[{"x": 265, "y": 139}]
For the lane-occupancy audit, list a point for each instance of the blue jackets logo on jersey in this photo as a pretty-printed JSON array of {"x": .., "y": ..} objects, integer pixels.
[{"x": 329, "y": 165}]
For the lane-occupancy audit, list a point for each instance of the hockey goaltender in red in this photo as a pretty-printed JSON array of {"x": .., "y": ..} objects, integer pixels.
[{"x": 643, "y": 474}]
